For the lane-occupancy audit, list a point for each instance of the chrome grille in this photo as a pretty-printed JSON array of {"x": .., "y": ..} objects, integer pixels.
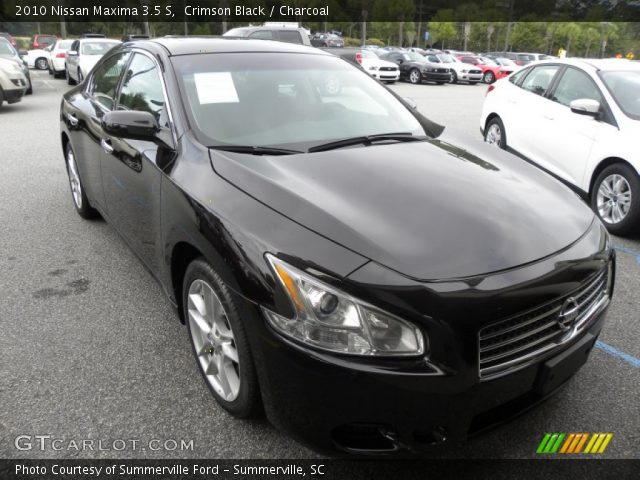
[
  {"x": 388, "y": 69},
  {"x": 516, "y": 342}
]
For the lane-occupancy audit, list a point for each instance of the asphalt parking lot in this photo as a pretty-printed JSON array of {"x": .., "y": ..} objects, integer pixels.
[{"x": 91, "y": 349}]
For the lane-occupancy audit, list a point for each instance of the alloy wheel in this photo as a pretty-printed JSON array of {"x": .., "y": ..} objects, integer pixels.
[
  {"x": 614, "y": 199},
  {"x": 414, "y": 76},
  {"x": 494, "y": 135},
  {"x": 74, "y": 179},
  {"x": 213, "y": 340},
  {"x": 488, "y": 77},
  {"x": 41, "y": 64}
]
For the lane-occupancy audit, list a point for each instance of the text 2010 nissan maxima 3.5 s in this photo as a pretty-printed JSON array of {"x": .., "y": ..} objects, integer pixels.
[{"x": 375, "y": 283}]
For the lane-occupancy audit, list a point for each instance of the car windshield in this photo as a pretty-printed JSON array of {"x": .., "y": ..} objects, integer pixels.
[
  {"x": 487, "y": 61},
  {"x": 294, "y": 101},
  {"x": 96, "y": 48},
  {"x": 506, "y": 62},
  {"x": 368, "y": 54},
  {"x": 446, "y": 58},
  {"x": 6, "y": 49},
  {"x": 236, "y": 32},
  {"x": 416, "y": 57},
  {"x": 625, "y": 89}
]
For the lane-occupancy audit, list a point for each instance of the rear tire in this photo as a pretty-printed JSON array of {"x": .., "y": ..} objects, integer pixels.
[
  {"x": 616, "y": 199},
  {"x": 78, "y": 195},
  {"x": 41, "y": 63},
  {"x": 208, "y": 303},
  {"x": 70, "y": 80}
]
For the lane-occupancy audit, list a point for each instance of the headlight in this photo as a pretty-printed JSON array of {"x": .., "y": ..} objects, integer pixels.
[
  {"x": 373, "y": 68},
  {"x": 332, "y": 320},
  {"x": 464, "y": 70}
]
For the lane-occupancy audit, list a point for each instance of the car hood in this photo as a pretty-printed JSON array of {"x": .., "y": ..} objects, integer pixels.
[{"x": 439, "y": 209}]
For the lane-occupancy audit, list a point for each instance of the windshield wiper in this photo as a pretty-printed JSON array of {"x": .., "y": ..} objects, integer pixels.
[
  {"x": 367, "y": 140},
  {"x": 255, "y": 150}
]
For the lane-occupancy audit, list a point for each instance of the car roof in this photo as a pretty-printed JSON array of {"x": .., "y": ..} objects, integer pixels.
[
  {"x": 192, "y": 45},
  {"x": 605, "y": 64}
]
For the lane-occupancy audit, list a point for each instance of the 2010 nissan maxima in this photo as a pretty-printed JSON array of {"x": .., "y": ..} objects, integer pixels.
[{"x": 376, "y": 283}]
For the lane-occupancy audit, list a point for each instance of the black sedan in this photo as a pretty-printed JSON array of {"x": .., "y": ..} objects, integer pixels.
[
  {"x": 372, "y": 282},
  {"x": 416, "y": 69}
]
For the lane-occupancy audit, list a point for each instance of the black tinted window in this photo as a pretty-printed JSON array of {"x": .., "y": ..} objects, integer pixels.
[
  {"x": 142, "y": 89},
  {"x": 105, "y": 80},
  {"x": 291, "y": 36}
]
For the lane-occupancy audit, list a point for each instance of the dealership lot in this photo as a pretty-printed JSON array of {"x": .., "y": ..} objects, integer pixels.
[{"x": 94, "y": 350}]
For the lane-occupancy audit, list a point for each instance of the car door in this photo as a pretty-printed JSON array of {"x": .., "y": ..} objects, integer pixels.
[
  {"x": 72, "y": 59},
  {"x": 527, "y": 110},
  {"x": 568, "y": 137},
  {"x": 132, "y": 169},
  {"x": 84, "y": 116}
]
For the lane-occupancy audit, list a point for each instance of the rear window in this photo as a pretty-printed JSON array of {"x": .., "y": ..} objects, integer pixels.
[
  {"x": 525, "y": 57},
  {"x": 96, "y": 48},
  {"x": 46, "y": 39}
]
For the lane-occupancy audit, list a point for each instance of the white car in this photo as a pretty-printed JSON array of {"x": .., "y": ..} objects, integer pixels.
[
  {"x": 580, "y": 121},
  {"x": 57, "y": 57},
  {"x": 460, "y": 72},
  {"x": 384, "y": 71},
  {"x": 83, "y": 54},
  {"x": 37, "y": 59}
]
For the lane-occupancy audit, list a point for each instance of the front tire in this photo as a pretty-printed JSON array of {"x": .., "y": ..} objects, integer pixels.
[
  {"x": 495, "y": 134},
  {"x": 219, "y": 340},
  {"x": 489, "y": 77},
  {"x": 454, "y": 77},
  {"x": 78, "y": 195},
  {"x": 415, "y": 76},
  {"x": 616, "y": 199}
]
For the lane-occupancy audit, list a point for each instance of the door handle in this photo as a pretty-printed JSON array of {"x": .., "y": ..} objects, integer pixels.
[
  {"x": 73, "y": 120},
  {"x": 106, "y": 145}
]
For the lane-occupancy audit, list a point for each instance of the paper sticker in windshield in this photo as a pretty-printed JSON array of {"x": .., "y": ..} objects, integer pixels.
[{"x": 215, "y": 87}]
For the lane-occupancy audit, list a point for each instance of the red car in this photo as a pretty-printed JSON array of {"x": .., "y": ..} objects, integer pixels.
[
  {"x": 41, "y": 41},
  {"x": 491, "y": 71}
]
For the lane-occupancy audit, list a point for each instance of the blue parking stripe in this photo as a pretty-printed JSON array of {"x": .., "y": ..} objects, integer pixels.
[
  {"x": 614, "y": 352},
  {"x": 630, "y": 251}
]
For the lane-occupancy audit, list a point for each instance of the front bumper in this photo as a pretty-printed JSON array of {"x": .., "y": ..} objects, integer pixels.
[
  {"x": 392, "y": 76},
  {"x": 470, "y": 77},
  {"x": 389, "y": 406},
  {"x": 330, "y": 405},
  {"x": 436, "y": 76}
]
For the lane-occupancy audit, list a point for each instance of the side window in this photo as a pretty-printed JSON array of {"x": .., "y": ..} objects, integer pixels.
[
  {"x": 142, "y": 89},
  {"x": 104, "y": 81},
  {"x": 262, "y": 35},
  {"x": 290, "y": 36},
  {"x": 517, "y": 76},
  {"x": 573, "y": 85},
  {"x": 433, "y": 59},
  {"x": 540, "y": 78}
]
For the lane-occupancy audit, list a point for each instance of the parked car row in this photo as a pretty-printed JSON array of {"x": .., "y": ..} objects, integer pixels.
[{"x": 11, "y": 61}]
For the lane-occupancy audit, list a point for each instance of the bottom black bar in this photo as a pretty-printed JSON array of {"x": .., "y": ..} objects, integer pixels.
[{"x": 112, "y": 469}]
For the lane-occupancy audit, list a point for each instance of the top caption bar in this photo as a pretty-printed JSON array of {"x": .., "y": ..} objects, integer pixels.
[{"x": 257, "y": 11}]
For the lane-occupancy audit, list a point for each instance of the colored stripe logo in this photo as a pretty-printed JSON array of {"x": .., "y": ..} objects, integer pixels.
[{"x": 573, "y": 443}]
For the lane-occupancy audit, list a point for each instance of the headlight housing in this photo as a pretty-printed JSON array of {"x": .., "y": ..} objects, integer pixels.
[
  {"x": 329, "y": 319},
  {"x": 373, "y": 67}
]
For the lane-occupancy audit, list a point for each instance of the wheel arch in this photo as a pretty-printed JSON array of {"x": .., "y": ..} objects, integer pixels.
[
  {"x": 607, "y": 162},
  {"x": 182, "y": 254},
  {"x": 64, "y": 138}
]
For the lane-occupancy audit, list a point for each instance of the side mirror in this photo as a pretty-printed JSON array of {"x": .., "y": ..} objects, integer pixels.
[
  {"x": 131, "y": 124},
  {"x": 411, "y": 102},
  {"x": 22, "y": 52},
  {"x": 400, "y": 61},
  {"x": 585, "y": 106},
  {"x": 72, "y": 53}
]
